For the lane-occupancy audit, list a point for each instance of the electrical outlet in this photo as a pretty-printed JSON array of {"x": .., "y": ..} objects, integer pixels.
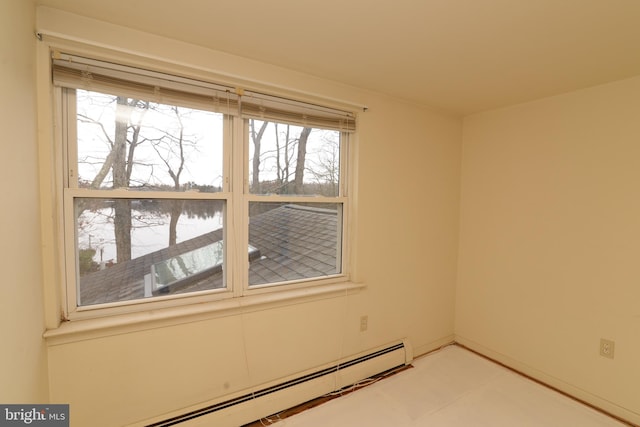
[
  {"x": 364, "y": 323},
  {"x": 607, "y": 348}
]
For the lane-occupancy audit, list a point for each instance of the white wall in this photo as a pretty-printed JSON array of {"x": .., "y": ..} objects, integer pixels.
[
  {"x": 23, "y": 377},
  {"x": 407, "y": 173},
  {"x": 550, "y": 241}
]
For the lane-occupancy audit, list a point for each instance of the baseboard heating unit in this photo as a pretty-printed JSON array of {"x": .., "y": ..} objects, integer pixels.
[{"x": 273, "y": 398}]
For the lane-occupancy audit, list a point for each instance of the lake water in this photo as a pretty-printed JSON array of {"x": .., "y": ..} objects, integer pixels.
[{"x": 149, "y": 233}]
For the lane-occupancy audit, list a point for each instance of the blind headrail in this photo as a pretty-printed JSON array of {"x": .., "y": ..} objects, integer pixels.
[{"x": 85, "y": 73}]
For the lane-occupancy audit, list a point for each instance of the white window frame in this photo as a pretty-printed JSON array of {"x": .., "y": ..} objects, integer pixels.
[{"x": 237, "y": 197}]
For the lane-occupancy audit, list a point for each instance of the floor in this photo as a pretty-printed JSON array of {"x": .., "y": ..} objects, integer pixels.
[{"x": 447, "y": 388}]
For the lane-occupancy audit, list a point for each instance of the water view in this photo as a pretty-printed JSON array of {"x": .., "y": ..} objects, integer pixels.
[{"x": 150, "y": 232}]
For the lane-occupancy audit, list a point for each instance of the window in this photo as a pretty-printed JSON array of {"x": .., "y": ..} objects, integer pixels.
[{"x": 176, "y": 188}]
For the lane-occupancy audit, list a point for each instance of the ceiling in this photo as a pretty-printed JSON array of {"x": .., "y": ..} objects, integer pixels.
[{"x": 458, "y": 56}]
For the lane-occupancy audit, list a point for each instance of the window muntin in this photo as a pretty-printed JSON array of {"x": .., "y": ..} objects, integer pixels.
[{"x": 151, "y": 147}]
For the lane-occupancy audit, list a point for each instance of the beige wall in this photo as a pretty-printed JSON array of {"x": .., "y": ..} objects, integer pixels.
[
  {"x": 548, "y": 228},
  {"x": 406, "y": 220},
  {"x": 550, "y": 241},
  {"x": 23, "y": 375}
]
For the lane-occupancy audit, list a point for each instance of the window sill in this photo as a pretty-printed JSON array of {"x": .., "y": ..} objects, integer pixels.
[{"x": 80, "y": 330}]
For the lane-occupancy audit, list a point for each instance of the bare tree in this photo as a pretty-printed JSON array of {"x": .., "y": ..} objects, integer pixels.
[
  {"x": 122, "y": 140},
  {"x": 285, "y": 159},
  {"x": 122, "y": 207},
  {"x": 119, "y": 162},
  {"x": 173, "y": 140},
  {"x": 324, "y": 167},
  {"x": 256, "y": 137},
  {"x": 300, "y": 162},
  {"x": 278, "y": 157}
]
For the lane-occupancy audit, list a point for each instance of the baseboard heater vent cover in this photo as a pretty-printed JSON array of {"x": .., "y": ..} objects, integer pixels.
[{"x": 269, "y": 400}]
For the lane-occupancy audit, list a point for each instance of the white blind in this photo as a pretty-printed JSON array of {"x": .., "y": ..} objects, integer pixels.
[{"x": 84, "y": 73}]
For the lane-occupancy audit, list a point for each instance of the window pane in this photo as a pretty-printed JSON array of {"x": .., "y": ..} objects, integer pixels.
[
  {"x": 138, "y": 144},
  {"x": 137, "y": 248},
  {"x": 294, "y": 241},
  {"x": 288, "y": 159}
]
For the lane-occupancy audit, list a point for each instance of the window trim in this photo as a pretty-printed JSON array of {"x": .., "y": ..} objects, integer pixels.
[
  {"x": 126, "y": 321},
  {"x": 237, "y": 288}
]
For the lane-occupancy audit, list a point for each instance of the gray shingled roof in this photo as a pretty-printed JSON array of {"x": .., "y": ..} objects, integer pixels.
[{"x": 293, "y": 242}]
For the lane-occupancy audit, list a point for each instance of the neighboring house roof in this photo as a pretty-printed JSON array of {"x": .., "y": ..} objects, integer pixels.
[{"x": 291, "y": 242}]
